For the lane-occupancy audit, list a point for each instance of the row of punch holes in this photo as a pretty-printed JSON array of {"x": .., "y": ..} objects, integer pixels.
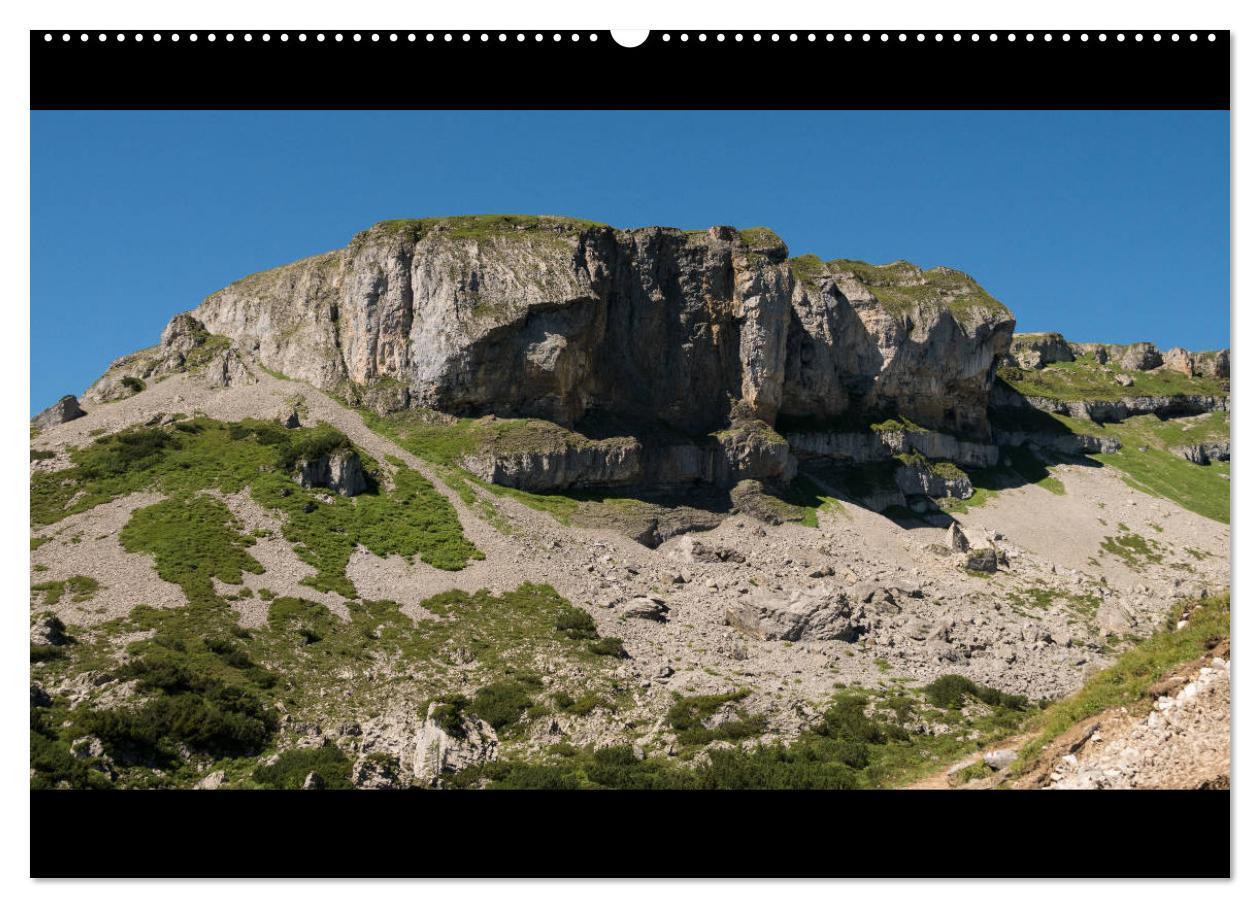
[{"x": 538, "y": 37}]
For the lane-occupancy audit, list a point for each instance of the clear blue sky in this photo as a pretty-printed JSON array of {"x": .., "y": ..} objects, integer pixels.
[{"x": 1106, "y": 226}]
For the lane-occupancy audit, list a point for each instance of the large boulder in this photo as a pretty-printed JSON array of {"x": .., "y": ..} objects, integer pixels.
[
  {"x": 956, "y": 539},
  {"x": 340, "y": 471},
  {"x": 693, "y": 550},
  {"x": 62, "y": 411},
  {"x": 1114, "y": 618},
  {"x": 798, "y": 615},
  {"x": 980, "y": 560},
  {"x": 935, "y": 480}
]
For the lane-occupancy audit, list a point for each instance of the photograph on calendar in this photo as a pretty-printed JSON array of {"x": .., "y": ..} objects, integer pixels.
[{"x": 630, "y": 449}]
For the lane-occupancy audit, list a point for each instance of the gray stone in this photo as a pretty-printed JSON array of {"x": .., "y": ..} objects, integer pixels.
[
  {"x": 1179, "y": 359},
  {"x": 1035, "y": 351},
  {"x": 212, "y": 782},
  {"x": 646, "y": 608},
  {"x": 340, "y": 471},
  {"x": 39, "y": 696},
  {"x": 956, "y": 539},
  {"x": 710, "y": 335},
  {"x": 1205, "y": 452},
  {"x": 1113, "y": 618},
  {"x": 999, "y": 759},
  {"x": 798, "y": 615},
  {"x": 983, "y": 560},
  {"x": 439, "y": 751},
  {"x": 62, "y": 411}
]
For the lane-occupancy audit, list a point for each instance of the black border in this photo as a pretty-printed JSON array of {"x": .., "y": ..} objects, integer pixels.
[
  {"x": 278, "y": 70},
  {"x": 624, "y": 834}
]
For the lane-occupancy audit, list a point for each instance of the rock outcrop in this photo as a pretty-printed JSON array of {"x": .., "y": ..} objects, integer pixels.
[
  {"x": 892, "y": 338},
  {"x": 1165, "y": 406},
  {"x": 339, "y": 471},
  {"x": 1179, "y": 359},
  {"x": 47, "y": 630},
  {"x": 449, "y": 746},
  {"x": 544, "y": 461},
  {"x": 798, "y": 615},
  {"x": 1213, "y": 364},
  {"x": 936, "y": 481},
  {"x": 881, "y": 444},
  {"x": 1140, "y": 357},
  {"x": 62, "y": 411},
  {"x": 1035, "y": 351},
  {"x": 186, "y": 346},
  {"x": 1205, "y": 452},
  {"x": 1067, "y": 443}
]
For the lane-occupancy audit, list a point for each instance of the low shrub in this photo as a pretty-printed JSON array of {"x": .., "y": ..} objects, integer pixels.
[
  {"x": 608, "y": 646},
  {"x": 449, "y": 715},
  {"x": 951, "y": 692},
  {"x": 501, "y": 703},
  {"x": 52, "y": 764},
  {"x": 576, "y": 624},
  {"x": 290, "y": 771},
  {"x": 46, "y": 653},
  {"x": 190, "y": 710},
  {"x": 687, "y": 716}
]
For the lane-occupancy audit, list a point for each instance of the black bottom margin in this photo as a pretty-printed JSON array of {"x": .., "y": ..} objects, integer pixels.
[{"x": 592, "y": 834}]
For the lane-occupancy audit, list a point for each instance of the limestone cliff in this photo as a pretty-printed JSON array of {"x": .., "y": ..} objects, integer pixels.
[
  {"x": 556, "y": 318},
  {"x": 665, "y": 332}
]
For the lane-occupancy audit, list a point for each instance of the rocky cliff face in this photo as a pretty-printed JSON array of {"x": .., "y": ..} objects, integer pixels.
[
  {"x": 1033, "y": 351},
  {"x": 893, "y": 339},
  {"x": 554, "y": 318}
]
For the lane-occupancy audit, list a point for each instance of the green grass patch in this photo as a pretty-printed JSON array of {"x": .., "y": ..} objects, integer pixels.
[
  {"x": 902, "y": 287},
  {"x": 193, "y": 540},
  {"x": 487, "y": 226},
  {"x": 1133, "y": 549},
  {"x": 1148, "y": 463},
  {"x": 79, "y": 587},
  {"x": 953, "y": 691},
  {"x": 413, "y": 519},
  {"x": 1087, "y": 380}
]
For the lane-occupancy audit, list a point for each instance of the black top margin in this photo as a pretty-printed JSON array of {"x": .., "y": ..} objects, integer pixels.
[{"x": 298, "y": 70}]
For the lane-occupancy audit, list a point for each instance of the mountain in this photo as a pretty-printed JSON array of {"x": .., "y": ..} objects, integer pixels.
[{"x": 525, "y": 501}]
